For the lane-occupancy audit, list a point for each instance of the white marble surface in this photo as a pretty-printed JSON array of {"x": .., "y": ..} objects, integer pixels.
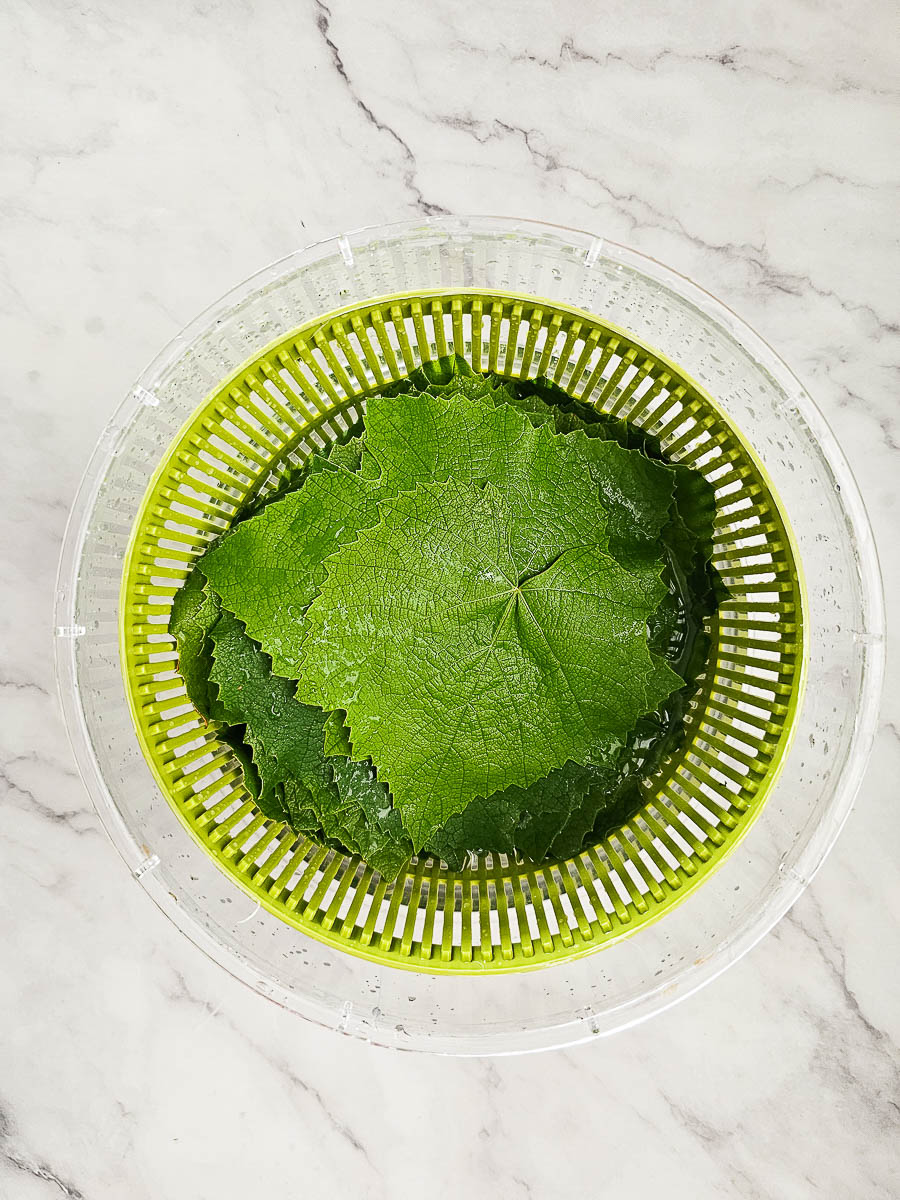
[{"x": 154, "y": 154}]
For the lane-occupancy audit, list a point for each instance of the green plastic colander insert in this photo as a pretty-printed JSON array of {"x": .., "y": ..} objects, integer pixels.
[{"x": 299, "y": 395}]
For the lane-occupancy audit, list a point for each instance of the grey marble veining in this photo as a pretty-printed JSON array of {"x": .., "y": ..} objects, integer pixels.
[{"x": 151, "y": 156}]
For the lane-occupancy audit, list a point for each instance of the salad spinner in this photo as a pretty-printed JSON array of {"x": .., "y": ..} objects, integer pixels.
[{"x": 507, "y": 955}]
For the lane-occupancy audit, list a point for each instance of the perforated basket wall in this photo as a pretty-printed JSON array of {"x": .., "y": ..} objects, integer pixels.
[{"x": 300, "y": 394}]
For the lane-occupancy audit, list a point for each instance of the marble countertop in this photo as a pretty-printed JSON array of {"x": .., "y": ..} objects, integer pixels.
[{"x": 153, "y": 155}]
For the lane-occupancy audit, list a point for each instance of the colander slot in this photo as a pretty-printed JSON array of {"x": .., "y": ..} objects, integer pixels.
[
  {"x": 395, "y": 332},
  {"x": 327, "y": 896},
  {"x": 630, "y": 378},
  {"x": 185, "y": 748},
  {"x": 456, "y": 933},
  {"x": 248, "y": 441},
  {"x": 334, "y": 350},
  {"x": 587, "y": 906},
  {"x": 763, "y": 558},
  {"x": 566, "y": 904},
  {"x": 512, "y": 918},
  {"x": 399, "y": 920},
  {"x": 615, "y": 389},
  {"x": 695, "y": 450},
  {"x": 258, "y": 831},
  {"x": 349, "y": 895},
  {"x": 161, "y": 656},
  {"x": 739, "y": 662},
  {"x": 296, "y": 875},
  {"x": 621, "y": 890},
  {"x": 230, "y": 457},
  {"x": 703, "y": 462},
  {"x": 644, "y": 381},
  {"x": 164, "y": 677},
  {"x": 231, "y": 476},
  {"x": 525, "y": 908},
  {"x": 228, "y": 492},
  {"x": 201, "y": 780},
  {"x": 310, "y": 890},
  {"x": 297, "y": 398},
  {"x": 196, "y": 497},
  {"x": 550, "y": 916},
  {"x": 700, "y": 808},
  {"x": 273, "y": 859},
  {"x": 715, "y": 787},
  {"x": 652, "y": 869},
  {"x": 737, "y": 506},
  {"x": 442, "y": 330},
  {"x": 192, "y": 531},
  {"x": 365, "y": 906},
  {"x": 717, "y": 474},
  {"x": 315, "y": 393},
  {"x": 386, "y": 350},
  {"x": 750, "y": 542},
  {"x": 260, "y": 409},
  {"x": 178, "y": 710},
  {"x": 603, "y": 896},
  {"x": 654, "y": 411},
  {"x": 185, "y": 727},
  {"x": 207, "y": 521},
  {"x": 747, "y": 748},
  {"x": 481, "y": 338},
  {"x": 672, "y": 437},
  {"x": 740, "y": 705},
  {"x": 362, "y": 359},
  {"x": 323, "y": 373},
  {"x": 762, "y": 634},
  {"x": 727, "y": 763},
  {"x": 665, "y": 853},
  {"x": 157, "y": 619},
  {"x": 325, "y": 434},
  {"x": 634, "y": 875},
  {"x": 763, "y": 653},
  {"x": 265, "y": 849},
  {"x": 692, "y": 828},
  {"x": 230, "y": 805},
  {"x": 547, "y": 338},
  {"x": 279, "y": 408}
]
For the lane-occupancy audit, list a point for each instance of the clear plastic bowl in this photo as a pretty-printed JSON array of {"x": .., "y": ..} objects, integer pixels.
[{"x": 625, "y": 982}]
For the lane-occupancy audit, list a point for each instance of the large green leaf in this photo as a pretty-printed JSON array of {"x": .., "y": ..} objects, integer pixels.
[
  {"x": 270, "y": 568},
  {"x": 477, "y": 640}
]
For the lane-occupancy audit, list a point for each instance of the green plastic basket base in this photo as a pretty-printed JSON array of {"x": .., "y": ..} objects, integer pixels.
[{"x": 299, "y": 395}]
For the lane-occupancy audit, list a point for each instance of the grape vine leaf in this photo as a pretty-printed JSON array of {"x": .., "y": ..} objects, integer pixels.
[
  {"x": 269, "y": 569},
  {"x": 235, "y": 737},
  {"x": 285, "y": 736},
  {"x": 195, "y": 610},
  {"x": 337, "y": 735},
  {"x": 523, "y": 819},
  {"x": 365, "y": 820},
  {"x": 347, "y": 454},
  {"x": 344, "y": 800},
  {"x": 477, "y": 640}
]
